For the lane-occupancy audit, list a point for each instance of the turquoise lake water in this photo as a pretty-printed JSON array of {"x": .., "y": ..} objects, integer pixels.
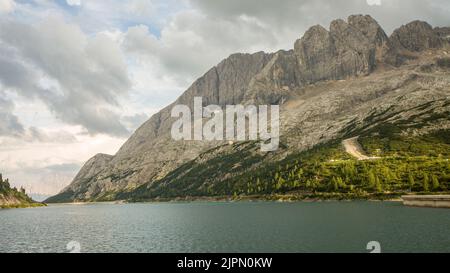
[{"x": 226, "y": 227}]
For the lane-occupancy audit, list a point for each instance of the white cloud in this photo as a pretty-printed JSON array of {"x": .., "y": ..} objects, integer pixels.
[
  {"x": 9, "y": 123},
  {"x": 297, "y": 15},
  {"x": 73, "y": 2},
  {"x": 79, "y": 78},
  {"x": 193, "y": 42},
  {"x": 6, "y": 6},
  {"x": 34, "y": 165},
  {"x": 374, "y": 2},
  {"x": 141, "y": 8}
]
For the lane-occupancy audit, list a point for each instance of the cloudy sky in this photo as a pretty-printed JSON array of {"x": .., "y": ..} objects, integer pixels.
[{"x": 77, "y": 77}]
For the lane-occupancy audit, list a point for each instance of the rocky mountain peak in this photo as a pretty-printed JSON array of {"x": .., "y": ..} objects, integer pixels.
[
  {"x": 339, "y": 26},
  {"x": 416, "y": 36},
  {"x": 94, "y": 165},
  {"x": 343, "y": 51},
  {"x": 370, "y": 28},
  {"x": 443, "y": 33},
  {"x": 349, "y": 38},
  {"x": 228, "y": 81}
]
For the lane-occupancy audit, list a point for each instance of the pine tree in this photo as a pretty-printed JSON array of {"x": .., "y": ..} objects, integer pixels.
[
  {"x": 435, "y": 182},
  {"x": 378, "y": 186},
  {"x": 4, "y": 186},
  {"x": 335, "y": 184},
  {"x": 411, "y": 181},
  {"x": 352, "y": 188},
  {"x": 426, "y": 183},
  {"x": 280, "y": 183},
  {"x": 340, "y": 182},
  {"x": 372, "y": 179}
]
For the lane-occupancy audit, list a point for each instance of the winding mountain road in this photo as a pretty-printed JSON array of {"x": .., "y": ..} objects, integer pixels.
[{"x": 353, "y": 148}]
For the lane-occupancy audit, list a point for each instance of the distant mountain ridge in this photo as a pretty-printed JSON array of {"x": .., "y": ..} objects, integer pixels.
[{"x": 334, "y": 83}]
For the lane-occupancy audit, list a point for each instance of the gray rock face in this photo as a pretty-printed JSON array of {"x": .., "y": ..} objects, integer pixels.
[
  {"x": 369, "y": 28},
  {"x": 315, "y": 51},
  {"x": 416, "y": 36},
  {"x": 275, "y": 81},
  {"x": 384, "y": 50},
  {"x": 94, "y": 166},
  {"x": 349, "y": 49},
  {"x": 443, "y": 33},
  {"x": 356, "y": 55}
]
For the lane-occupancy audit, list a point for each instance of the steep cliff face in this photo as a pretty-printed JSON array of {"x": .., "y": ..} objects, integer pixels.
[
  {"x": 299, "y": 79},
  {"x": 348, "y": 49}
]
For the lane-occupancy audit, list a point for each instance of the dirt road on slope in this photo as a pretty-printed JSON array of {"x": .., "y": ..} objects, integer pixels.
[{"x": 353, "y": 147}]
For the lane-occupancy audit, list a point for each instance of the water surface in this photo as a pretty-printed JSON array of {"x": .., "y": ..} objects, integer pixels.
[{"x": 226, "y": 227}]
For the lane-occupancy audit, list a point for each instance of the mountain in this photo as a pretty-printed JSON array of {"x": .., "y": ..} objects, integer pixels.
[
  {"x": 13, "y": 198},
  {"x": 38, "y": 197},
  {"x": 351, "y": 80}
]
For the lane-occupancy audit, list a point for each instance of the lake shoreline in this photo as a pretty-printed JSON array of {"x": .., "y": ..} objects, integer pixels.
[
  {"x": 23, "y": 206},
  {"x": 283, "y": 198},
  {"x": 286, "y": 198}
]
